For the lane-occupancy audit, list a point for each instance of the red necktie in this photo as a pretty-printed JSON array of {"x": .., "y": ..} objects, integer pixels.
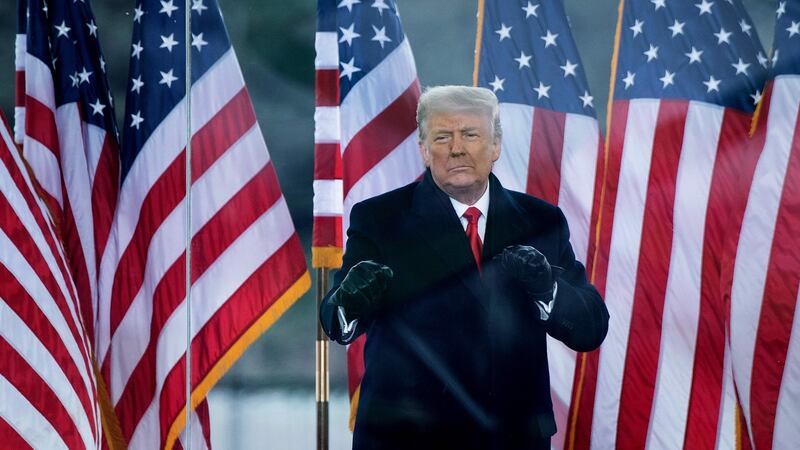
[{"x": 472, "y": 214}]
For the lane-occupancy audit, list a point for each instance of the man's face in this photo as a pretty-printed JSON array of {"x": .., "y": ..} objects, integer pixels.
[{"x": 460, "y": 151}]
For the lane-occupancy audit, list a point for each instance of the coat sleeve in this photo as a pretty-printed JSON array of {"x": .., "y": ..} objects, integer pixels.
[
  {"x": 579, "y": 317},
  {"x": 360, "y": 247}
]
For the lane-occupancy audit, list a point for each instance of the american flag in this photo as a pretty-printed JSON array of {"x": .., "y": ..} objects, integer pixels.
[
  {"x": 47, "y": 382},
  {"x": 687, "y": 77},
  {"x": 765, "y": 319},
  {"x": 247, "y": 264},
  {"x": 70, "y": 133},
  {"x": 551, "y": 139},
  {"x": 367, "y": 92}
]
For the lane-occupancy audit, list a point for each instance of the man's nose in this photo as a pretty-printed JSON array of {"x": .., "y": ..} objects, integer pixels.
[{"x": 457, "y": 146}]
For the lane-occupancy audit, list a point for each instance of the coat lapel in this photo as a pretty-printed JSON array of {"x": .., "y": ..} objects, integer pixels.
[
  {"x": 434, "y": 221},
  {"x": 506, "y": 223}
]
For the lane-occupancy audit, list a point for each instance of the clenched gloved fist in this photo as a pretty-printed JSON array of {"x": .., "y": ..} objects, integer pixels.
[
  {"x": 361, "y": 291},
  {"x": 530, "y": 268}
]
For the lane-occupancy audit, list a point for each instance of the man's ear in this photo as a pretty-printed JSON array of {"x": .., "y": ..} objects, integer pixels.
[
  {"x": 425, "y": 154},
  {"x": 496, "y": 150}
]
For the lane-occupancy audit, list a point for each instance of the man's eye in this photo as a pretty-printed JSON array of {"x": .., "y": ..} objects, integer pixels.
[{"x": 440, "y": 139}]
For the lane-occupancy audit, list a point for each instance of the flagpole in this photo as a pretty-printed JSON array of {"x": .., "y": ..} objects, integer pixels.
[{"x": 322, "y": 374}]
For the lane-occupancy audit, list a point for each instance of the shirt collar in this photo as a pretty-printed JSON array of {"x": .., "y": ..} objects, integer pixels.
[{"x": 482, "y": 204}]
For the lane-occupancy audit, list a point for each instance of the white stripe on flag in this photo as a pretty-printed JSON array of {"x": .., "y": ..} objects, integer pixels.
[
  {"x": 95, "y": 138},
  {"x": 328, "y": 198},
  {"x": 758, "y": 228},
  {"x": 622, "y": 266},
  {"x": 326, "y": 120},
  {"x": 39, "y": 81},
  {"x": 682, "y": 297},
  {"x": 327, "y": 48},
  {"x": 45, "y": 166},
  {"x": 578, "y": 167},
  {"x": 26, "y": 420},
  {"x": 20, "y": 50},
  {"x": 515, "y": 151},
  {"x": 377, "y": 90},
  {"x": 31, "y": 349}
]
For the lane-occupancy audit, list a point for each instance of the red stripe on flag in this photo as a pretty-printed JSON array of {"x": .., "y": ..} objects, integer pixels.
[
  {"x": 585, "y": 381},
  {"x": 644, "y": 341},
  {"x": 380, "y": 136},
  {"x": 327, "y": 87},
  {"x": 235, "y": 316},
  {"x": 18, "y": 299},
  {"x": 9, "y": 437},
  {"x": 30, "y": 384},
  {"x": 778, "y": 305},
  {"x": 327, "y": 232},
  {"x": 547, "y": 145},
  {"x": 209, "y": 143},
  {"x": 40, "y": 124},
  {"x": 252, "y": 201},
  {"x": 733, "y": 170},
  {"x": 327, "y": 161},
  {"x": 105, "y": 188},
  {"x": 355, "y": 364}
]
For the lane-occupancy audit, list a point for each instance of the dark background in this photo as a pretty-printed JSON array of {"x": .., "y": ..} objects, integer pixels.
[{"x": 274, "y": 41}]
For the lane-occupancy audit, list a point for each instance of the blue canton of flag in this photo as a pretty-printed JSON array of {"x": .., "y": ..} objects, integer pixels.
[
  {"x": 367, "y": 34},
  {"x": 157, "y": 69},
  {"x": 528, "y": 56},
  {"x": 707, "y": 51},
  {"x": 786, "y": 53},
  {"x": 65, "y": 34}
]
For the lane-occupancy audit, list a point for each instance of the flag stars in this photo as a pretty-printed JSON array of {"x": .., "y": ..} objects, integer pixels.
[
  {"x": 380, "y": 35},
  {"x": 63, "y": 29},
  {"x": 629, "y": 79},
  {"x": 348, "y": 69},
  {"x": 781, "y": 9},
  {"x": 543, "y": 90},
  {"x": 92, "y": 28},
  {"x": 197, "y": 41},
  {"x": 168, "y": 42},
  {"x": 75, "y": 80},
  {"x": 704, "y": 6},
  {"x": 763, "y": 60},
  {"x": 712, "y": 84},
  {"x": 102, "y": 64},
  {"x": 497, "y": 84},
  {"x": 97, "y": 107},
  {"x": 549, "y": 39},
  {"x": 694, "y": 55},
  {"x": 168, "y": 7},
  {"x": 775, "y": 57},
  {"x": 569, "y": 68},
  {"x": 677, "y": 28},
  {"x": 84, "y": 75},
  {"x": 587, "y": 100},
  {"x": 523, "y": 60},
  {"x": 530, "y": 10},
  {"x": 197, "y": 5},
  {"x": 756, "y": 97},
  {"x": 137, "y": 84},
  {"x": 723, "y": 36},
  {"x": 637, "y": 27},
  {"x": 348, "y": 4},
  {"x": 745, "y": 27},
  {"x": 741, "y": 67},
  {"x": 380, "y": 5},
  {"x": 136, "y": 119},
  {"x": 658, "y": 3},
  {"x": 348, "y": 34},
  {"x": 137, "y": 50},
  {"x": 167, "y": 78},
  {"x": 651, "y": 53},
  {"x": 668, "y": 79},
  {"x": 793, "y": 29},
  {"x": 504, "y": 32},
  {"x": 138, "y": 12}
]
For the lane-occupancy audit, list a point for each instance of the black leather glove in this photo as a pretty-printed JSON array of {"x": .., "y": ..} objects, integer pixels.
[
  {"x": 361, "y": 290},
  {"x": 529, "y": 267}
]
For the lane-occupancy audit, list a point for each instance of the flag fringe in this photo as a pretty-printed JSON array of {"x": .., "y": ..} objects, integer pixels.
[
  {"x": 351, "y": 422},
  {"x": 326, "y": 257}
]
